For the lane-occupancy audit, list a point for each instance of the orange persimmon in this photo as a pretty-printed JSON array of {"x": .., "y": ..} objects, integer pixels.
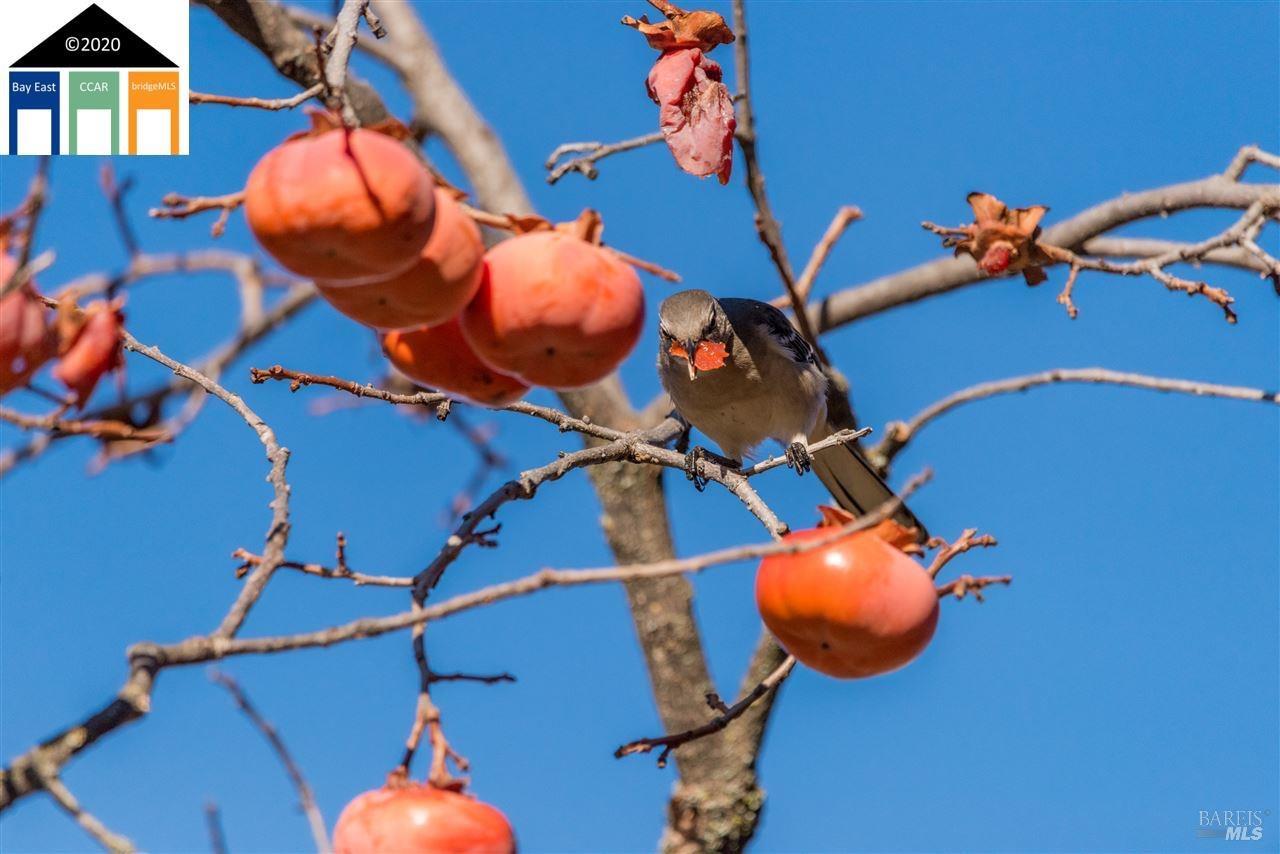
[
  {"x": 858, "y": 606},
  {"x": 440, "y": 357},
  {"x": 91, "y": 347},
  {"x": 434, "y": 290},
  {"x": 555, "y": 310},
  {"x": 341, "y": 204},
  {"x": 27, "y": 339},
  {"x": 422, "y": 819}
]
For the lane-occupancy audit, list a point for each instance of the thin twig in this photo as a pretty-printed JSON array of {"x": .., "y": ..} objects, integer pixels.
[
  {"x": 589, "y": 153},
  {"x": 115, "y": 192},
  {"x": 972, "y": 585},
  {"x": 430, "y": 399},
  {"x": 844, "y": 217},
  {"x": 767, "y": 224},
  {"x": 258, "y": 103},
  {"x": 213, "y": 824},
  {"x": 177, "y": 206},
  {"x": 62, "y": 797},
  {"x": 1246, "y": 155},
  {"x": 28, "y": 212},
  {"x": 277, "y": 455},
  {"x": 1154, "y": 266},
  {"x": 967, "y": 540},
  {"x": 306, "y": 798},
  {"x": 248, "y": 560},
  {"x": 110, "y": 430},
  {"x": 727, "y": 715}
]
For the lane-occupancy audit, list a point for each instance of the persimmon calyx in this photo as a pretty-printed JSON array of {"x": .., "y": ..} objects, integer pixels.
[
  {"x": 699, "y": 29},
  {"x": 892, "y": 532}
]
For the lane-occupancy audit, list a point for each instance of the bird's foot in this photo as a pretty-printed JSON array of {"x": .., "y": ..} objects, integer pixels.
[
  {"x": 691, "y": 459},
  {"x": 696, "y": 455},
  {"x": 799, "y": 458}
]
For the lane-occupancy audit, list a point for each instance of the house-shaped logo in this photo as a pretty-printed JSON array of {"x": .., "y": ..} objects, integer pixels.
[{"x": 94, "y": 85}]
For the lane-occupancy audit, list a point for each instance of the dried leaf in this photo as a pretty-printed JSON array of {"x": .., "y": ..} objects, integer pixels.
[{"x": 699, "y": 29}]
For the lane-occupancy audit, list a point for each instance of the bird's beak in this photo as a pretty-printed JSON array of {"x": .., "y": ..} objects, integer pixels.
[{"x": 691, "y": 348}]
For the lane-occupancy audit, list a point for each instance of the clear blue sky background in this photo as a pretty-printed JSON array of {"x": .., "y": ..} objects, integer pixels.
[{"x": 1126, "y": 681}]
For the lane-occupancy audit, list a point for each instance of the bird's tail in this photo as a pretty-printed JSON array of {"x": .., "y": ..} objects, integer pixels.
[{"x": 856, "y": 486}]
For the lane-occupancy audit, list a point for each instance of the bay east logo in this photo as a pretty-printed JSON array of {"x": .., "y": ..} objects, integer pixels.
[
  {"x": 104, "y": 78},
  {"x": 1238, "y": 825}
]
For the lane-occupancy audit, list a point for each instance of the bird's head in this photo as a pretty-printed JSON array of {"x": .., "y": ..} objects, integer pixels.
[{"x": 693, "y": 327}]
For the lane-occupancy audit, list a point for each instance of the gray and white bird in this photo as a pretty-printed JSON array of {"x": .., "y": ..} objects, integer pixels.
[{"x": 737, "y": 370}]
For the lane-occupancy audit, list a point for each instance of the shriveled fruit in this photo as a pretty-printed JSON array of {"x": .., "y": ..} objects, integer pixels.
[
  {"x": 341, "y": 205},
  {"x": 554, "y": 310},
  {"x": 91, "y": 349},
  {"x": 440, "y": 357},
  {"x": 27, "y": 340},
  {"x": 695, "y": 111},
  {"x": 436, "y": 288},
  {"x": 855, "y": 607},
  {"x": 421, "y": 819}
]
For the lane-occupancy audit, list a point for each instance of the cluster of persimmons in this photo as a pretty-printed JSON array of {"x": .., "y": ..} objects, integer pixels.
[
  {"x": 83, "y": 344},
  {"x": 357, "y": 212}
]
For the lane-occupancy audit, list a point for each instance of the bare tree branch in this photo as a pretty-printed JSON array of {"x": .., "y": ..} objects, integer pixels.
[
  {"x": 899, "y": 433},
  {"x": 948, "y": 274}
]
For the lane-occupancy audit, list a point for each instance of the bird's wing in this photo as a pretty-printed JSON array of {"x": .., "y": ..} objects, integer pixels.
[{"x": 775, "y": 325}]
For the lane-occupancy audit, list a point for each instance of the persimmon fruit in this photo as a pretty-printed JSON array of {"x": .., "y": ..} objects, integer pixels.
[
  {"x": 27, "y": 339},
  {"x": 411, "y": 817},
  {"x": 341, "y": 204},
  {"x": 855, "y": 607},
  {"x": 554, "y": 310},
  {"x": 440, "y": 357},
  {"x": 91, "y": 349},
  {"x": 435, "y": 289}
]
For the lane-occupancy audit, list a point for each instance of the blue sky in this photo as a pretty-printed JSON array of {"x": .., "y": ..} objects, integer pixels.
[{"x": 1125, "y": 682}]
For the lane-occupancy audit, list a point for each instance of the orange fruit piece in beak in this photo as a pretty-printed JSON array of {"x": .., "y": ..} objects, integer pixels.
[{"x": 710, "y": 355}]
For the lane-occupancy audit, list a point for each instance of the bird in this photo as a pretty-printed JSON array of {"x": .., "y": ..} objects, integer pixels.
[{"x": 740, "y": 372}]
